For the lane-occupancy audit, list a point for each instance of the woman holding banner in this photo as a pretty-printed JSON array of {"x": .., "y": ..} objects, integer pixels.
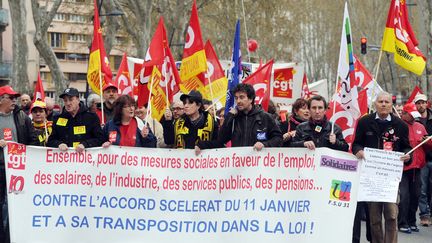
[
  {"x": 125, "y": 129},
  {"x": 300, "y": 113},
  {"x": 193, "y": 126}
]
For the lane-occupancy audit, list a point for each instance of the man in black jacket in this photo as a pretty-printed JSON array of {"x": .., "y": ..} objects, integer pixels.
[
  {"x": 246, "y": 125},
  {"x": 75, "y": 127},
  {"x": 15, "y": 126},
  {"x": 317, "y": 132},
  {"x": 382, "y": 130},
  {"x": 425, "y": 200}
]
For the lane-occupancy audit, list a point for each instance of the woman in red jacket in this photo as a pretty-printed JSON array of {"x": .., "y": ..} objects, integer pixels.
[{"x": 409, "y": 186}]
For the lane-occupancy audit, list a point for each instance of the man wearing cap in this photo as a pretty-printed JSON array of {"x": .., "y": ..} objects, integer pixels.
[
  {"x": 193, "y": 126},
  {"x": 15, "y": 126},
  {"x": 246, "y": 125},
  {"x": 75, "y": 127},
  {"x": 425, "y": 200},
  {"x": 382, "y": 130},
  {"x": 410, "y": 184},
  {"x": 110, "y": 94},
  {"x": 42, "y": 126}
]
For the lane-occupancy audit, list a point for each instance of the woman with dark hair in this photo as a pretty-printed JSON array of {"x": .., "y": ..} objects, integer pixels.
[
  {"x": 193, "y": 126},
  {"x": 300, "y": 113},
  {"x": 125, "y": 129}
]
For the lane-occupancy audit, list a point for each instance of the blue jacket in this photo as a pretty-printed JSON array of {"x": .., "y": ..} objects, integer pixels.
[{"x": 149, "y": 141}]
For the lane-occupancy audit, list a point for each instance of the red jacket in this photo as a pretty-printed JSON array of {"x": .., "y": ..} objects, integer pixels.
[{"x": 416, "y": 132}]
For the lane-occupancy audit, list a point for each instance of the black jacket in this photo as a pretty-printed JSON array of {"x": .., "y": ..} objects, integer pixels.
[
  {"x": 247, "y": 129},
  {"x": 183, "y": 134},
  {"x": 84, "y": 128},
  {"x": 368, "y": 134},
  {"x": 428, "y": 126},
  {"x": 306, "y": 132}
]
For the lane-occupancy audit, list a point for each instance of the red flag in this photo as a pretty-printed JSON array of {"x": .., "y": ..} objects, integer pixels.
[
  {"x": 123, "y": 80},
  {"x": 260, "y": 80},
  {"x": 160, "y": 71},
  {"x": 305, "y": 88},
  {"x": 415, "y": 92},
  {"x": 98, "y": 60},
  {"x": 194, "y": 64},
  {"x": 399, "y": 39},
  {"x": 216, "y": 75},
  {"x": 344, "y": 119},
  {"x": 39, "y": 92}
]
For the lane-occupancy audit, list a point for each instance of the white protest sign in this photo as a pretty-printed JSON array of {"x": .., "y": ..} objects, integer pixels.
[
  {"x": 381, "y": 172},
  {"x": 160, "y": 195}
]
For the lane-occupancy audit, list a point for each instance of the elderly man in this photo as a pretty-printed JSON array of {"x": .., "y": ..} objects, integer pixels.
[
  {"x": 25, "y": 103},
  {"x": 75, "y": 127},
  {"x": 155, "y": 126},
  {"x": 382, "y": 130},
  {"x": 15, "y": 126},
  {"x": 51, "y": 113}
]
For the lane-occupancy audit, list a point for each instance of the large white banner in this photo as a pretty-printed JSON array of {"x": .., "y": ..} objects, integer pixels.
[{"x": 160, "y": 195}]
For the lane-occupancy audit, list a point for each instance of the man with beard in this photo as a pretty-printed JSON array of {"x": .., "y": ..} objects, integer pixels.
[
  {"x": 110, "y": 94},
  {"x": 425, "y": 199},
  {"x": 246, "y": 125},
  {"x": 75, "y": 127}
]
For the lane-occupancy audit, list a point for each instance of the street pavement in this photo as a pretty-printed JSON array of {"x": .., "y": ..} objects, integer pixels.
[{"x": 424, "y": 236}]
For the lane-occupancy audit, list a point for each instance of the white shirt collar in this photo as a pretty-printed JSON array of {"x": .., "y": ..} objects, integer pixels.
[{"x": 388, "y": 118}]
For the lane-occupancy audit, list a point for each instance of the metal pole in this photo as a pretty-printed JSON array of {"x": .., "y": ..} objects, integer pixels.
[{"x": 391, "y": 74}]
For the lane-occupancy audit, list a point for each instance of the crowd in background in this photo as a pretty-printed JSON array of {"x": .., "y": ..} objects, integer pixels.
[{"x": 195, "y": 123}]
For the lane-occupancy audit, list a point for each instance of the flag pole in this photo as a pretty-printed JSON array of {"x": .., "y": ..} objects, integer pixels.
[
  {"x": 420, "y": 144},
  {"x": 375, "y": 79},
  {"x": 149, "y": 107},
  {"x": 246, "y": 33},
  {"x": 101, "y": 96},
  {"x": 212, "y": 96},
  {"x": 334, "y": 102}
]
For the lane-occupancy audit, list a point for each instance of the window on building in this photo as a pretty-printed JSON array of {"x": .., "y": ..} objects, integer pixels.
[
  {"x": 77, "y": 38},
  {"x": 59, "y": 16},
  {"x": 77, "y": 18},
  {"x": 117, "y": 61},
  {"x": 56, "y": 39},
  {"x": 60, "y": 55},
  {"x": 77, "y": 76}
]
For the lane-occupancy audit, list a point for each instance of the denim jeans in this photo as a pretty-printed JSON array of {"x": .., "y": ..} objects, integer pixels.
[
  {"x": 425, "y": 191},
  {"x": 409, "y": 189}
]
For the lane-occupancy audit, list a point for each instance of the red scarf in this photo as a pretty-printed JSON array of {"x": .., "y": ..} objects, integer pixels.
[{"x": 128, "y": 133}]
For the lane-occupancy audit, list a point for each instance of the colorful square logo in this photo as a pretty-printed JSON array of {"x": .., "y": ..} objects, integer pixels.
[{"x": 340, "y": 190}]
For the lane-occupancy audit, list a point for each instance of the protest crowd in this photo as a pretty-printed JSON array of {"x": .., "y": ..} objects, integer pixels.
[{"x": 110, "y": 117}]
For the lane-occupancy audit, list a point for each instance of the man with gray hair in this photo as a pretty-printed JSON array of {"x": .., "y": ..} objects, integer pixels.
[
  {"x": 93, "y": 102},
  {"x": 382, "y": 130}
]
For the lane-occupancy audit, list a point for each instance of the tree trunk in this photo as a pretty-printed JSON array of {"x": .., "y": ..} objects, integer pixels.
[
  {"x": 111, "y": 25},
  {"x": 42, "y": 19},
  {"x": 20, "y": 79}
]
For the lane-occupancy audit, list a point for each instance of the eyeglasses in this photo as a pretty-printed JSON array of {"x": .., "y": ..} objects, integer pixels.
[{"x": 13, "y": 98}]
